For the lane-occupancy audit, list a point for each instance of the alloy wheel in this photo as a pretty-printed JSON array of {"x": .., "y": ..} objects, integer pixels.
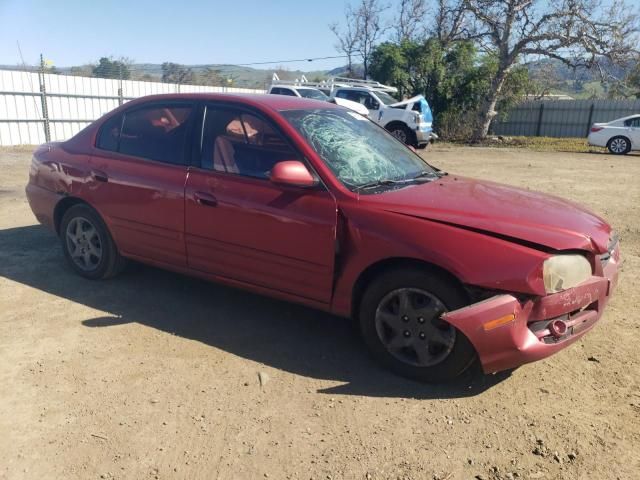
[
  {"x": 618, "y": 145},
  {"x": 83, "y": 244}
]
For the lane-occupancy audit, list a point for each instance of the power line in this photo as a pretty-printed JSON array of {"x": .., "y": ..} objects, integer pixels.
[{"x": 289, "y": 61}]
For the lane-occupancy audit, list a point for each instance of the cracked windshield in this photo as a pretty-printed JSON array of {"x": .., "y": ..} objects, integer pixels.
[{"x": 357, "y": 151}]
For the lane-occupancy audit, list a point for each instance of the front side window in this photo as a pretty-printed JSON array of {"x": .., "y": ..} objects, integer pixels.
[
  {"x": 155, "y": 133},
  {"x": 356, "y": 150},
  {"x": 386, "y": 98},
  {"x": 241, "y": 143}
]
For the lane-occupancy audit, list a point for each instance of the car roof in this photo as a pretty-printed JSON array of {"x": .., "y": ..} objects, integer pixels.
[
  {"x": 625, "y": 118},
  {"x": 273, "y": 102},
  {"x": 294, "y": 87}
]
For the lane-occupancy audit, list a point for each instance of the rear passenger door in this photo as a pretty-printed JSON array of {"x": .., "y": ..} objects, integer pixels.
[{"x": 139, "y": 169}]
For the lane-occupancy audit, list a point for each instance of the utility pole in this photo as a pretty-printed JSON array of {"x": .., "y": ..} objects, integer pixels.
[{"x": 43, "y": 99}]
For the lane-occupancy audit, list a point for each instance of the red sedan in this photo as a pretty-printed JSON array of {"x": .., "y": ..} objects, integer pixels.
[{"x": 312, "y": 203}]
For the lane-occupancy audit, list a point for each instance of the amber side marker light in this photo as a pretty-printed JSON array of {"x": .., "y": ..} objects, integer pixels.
[{"x": 498, "y": 322}]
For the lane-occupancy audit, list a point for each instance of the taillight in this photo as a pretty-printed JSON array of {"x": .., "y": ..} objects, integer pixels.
[{"x": 596, "y": 129}]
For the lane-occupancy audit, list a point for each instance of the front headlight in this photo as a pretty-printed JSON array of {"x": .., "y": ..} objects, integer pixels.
[{"x": 561, "y": 272}]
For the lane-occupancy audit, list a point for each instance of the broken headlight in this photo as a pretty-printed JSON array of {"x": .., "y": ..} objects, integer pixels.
[{"x": 561, "y": 272}]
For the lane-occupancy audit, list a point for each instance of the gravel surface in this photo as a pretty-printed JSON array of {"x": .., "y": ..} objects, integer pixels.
[{"x": 156, "y": 375}]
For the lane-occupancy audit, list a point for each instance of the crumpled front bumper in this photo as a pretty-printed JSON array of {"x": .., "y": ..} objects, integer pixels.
[{"x": 507, "y": 332}]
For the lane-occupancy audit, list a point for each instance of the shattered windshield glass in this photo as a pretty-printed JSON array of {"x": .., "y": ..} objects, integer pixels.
[{"x": 358, "y": 151}]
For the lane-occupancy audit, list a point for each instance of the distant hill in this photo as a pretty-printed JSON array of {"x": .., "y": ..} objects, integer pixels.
[
  {"x": 242, "y": 76},
  {"x": 577, "y": 83}
]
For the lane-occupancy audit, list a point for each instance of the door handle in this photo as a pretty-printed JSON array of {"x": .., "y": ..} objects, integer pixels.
[
  {"x": 205, "y": 199},
  {"x": 99, "y": 176}
]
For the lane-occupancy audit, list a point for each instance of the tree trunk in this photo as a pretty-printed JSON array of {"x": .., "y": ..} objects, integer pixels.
[{"x": 488, "y": 106}]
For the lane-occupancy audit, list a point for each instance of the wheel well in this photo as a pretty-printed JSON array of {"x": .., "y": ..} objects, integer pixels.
[
  {"x": 373, "y": 271},
  {"x": 396, "y": 123},
  {"x": 619, "y": 136},
  {"x": 61, "y": 207}
]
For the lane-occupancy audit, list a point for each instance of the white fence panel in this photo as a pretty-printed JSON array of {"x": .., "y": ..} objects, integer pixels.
[{"x": 71, "y": 102}]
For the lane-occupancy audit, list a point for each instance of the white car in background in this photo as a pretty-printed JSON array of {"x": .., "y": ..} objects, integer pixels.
[
  {"x": 619, "y": 136},
  {"x": 316, "y": 94}
]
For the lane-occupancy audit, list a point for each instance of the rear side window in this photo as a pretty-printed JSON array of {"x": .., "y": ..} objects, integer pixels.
[
  {"x": 109, "y": 136},
  {"x": 357, "y": 96},
  {"x": 283, "y": 91},
  {"x": 155, "y": 133},
  {"x": 632, "y": 122}
]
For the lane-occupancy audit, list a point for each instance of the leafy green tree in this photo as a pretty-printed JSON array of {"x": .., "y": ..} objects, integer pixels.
[
  {"x": 107, "y": 67},
  {"x": 454, "y": 78}
]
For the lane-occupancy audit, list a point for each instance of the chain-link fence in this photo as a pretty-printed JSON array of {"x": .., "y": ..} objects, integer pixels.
[{"x": 39, "y": 104}]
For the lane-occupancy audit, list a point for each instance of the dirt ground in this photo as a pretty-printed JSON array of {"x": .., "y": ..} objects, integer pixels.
[{"x": 155, "y": 375}]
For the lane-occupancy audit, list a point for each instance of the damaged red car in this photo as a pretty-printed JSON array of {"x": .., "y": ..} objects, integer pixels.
[{"x": 311, "y": 203}]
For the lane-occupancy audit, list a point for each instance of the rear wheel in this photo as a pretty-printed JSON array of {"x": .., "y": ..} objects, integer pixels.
[
  {"x": 87, "y": 244},
  {"x": 400, "y": 319},
  {"x": 619, "y": 145}
]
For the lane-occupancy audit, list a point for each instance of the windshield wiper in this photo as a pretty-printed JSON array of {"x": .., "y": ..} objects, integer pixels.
[
  {"x": 377, "y": 183},
  {"x": 425, "y": 174}
]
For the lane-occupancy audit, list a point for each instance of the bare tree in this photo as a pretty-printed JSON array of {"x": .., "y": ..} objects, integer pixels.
[
  {"x": 347, "y": 37},
  {"x": 448, "y": 21},
  {"x": 409, "y": 24},
  {"x": 576, "y": 32},
  {"x": 364, "y": 30}
]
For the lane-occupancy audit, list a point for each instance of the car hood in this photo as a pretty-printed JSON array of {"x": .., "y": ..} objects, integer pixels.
[
  {"x": 407, "y": 101},
  {"x": 519, "y": 215}
]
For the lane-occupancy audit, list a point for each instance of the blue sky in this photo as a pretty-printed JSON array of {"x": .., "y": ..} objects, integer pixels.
[{"x": 73, "y": 32}]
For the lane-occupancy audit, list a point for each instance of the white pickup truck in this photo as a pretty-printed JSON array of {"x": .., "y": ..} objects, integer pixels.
[
  {"x": 410, "y": 121},
  {"x": 296, "y": 89}
]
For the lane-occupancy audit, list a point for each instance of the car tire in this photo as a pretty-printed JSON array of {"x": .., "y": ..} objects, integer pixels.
[
  {"x": 619, "y": 145},
  {"x": 87, "y": 244},
  {"x": 402, "y": 133},
  {"x": 430, "y": 349}
]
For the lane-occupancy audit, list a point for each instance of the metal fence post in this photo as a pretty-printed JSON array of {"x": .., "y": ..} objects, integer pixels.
[
  {"x": 43, "y": 99},
  {"x": 539, "y": 125},
  {"x": 120, "y": 96},
  {"x": 590, "y": 118}
]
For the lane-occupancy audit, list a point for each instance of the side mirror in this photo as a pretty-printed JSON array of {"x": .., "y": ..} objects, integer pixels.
[{"x": 292, "y": 173}]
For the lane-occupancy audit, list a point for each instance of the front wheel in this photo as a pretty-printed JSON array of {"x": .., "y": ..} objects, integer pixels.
[
  {"x": 619, "y": 145},
  {"x": 402, "y": 133},
  {"x": 400, "y": 320}
]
